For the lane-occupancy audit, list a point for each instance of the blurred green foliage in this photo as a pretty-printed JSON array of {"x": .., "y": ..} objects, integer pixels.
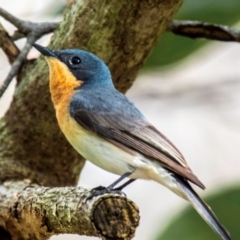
[
  {"x": 171, "y": 48},
  {"x": 188, "y": 225}
]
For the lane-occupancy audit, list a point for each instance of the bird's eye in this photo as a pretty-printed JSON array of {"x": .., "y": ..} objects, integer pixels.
[{"x": 75, "y": 61}]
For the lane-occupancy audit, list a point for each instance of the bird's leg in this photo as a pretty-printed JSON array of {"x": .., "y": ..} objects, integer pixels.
[
  {"x": 125, "y": 175},
  {"x": 102, "y": 190},
  {"x": 120, "y": 188}
]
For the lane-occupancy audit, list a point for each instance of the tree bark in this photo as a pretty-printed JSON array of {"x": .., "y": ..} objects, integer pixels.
[
  {"x": 120, "y": 32},
  {"x": 40, "y": 212},
  {"x": 7, "y": 45}
]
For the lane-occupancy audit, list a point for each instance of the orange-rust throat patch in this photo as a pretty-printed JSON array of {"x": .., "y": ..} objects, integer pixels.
[{"x": 62, "y": 81}]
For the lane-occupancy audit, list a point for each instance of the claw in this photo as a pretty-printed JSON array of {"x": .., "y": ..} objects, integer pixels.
[{"x": 103, "y": 190}]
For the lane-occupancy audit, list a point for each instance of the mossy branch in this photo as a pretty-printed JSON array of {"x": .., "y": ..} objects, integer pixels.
[{"x": 41, "y": 212}]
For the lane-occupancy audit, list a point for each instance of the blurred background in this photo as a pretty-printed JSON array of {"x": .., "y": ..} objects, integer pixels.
[{"x": 189, "y": 89}]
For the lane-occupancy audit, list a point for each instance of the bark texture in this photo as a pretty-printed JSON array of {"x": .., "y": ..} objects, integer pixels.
[
  {"x": 34, "y": 212},
  {"x": 123, "y": 34},
  {"x": 7, "y": 45}
]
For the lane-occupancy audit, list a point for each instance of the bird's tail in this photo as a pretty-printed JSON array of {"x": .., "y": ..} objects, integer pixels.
[{"x": 203, "y": 209}]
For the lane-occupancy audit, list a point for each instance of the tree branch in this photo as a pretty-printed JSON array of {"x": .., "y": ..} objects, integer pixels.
[
  {"x": 7, "y": 45},
  {"x": 41, "y": 212},
  {"x": 17, "y": 35},
  {"x": 17, "y": 63},
  {"x": 195, "y": 29},
  {"x": 27, "y": 27},
  {"x": 32, "y": 31}
]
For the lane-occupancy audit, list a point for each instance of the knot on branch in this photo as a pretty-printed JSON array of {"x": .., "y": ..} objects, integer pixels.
[{"x": 115, "y": 217}]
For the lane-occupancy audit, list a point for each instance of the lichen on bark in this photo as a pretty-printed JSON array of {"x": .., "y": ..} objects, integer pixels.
[{"x": 33, "y": 212}]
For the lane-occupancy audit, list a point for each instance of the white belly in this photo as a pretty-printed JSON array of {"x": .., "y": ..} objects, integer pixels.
[
  {"x": 103, "y": 154},
  {"x": 98, "y": 151}
]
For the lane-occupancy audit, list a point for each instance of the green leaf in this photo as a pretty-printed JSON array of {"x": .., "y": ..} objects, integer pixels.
[{"x": 188, "y": 225}]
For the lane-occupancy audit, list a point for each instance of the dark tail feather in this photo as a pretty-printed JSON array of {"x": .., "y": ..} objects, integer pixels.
[{"x": 202, "y": 208}]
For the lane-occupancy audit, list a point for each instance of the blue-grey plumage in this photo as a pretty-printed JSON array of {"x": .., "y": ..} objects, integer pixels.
[{"x": 108, "y": 130}]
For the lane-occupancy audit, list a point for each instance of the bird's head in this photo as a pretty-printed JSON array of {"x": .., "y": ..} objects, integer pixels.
[{"x": 76, "y": 65}]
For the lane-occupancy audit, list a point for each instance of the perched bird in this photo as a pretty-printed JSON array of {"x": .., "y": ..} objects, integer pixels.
[{"x": 108, "y": 130}]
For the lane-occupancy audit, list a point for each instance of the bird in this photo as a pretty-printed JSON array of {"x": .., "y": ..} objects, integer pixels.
[{"x": 106, "y": 128}]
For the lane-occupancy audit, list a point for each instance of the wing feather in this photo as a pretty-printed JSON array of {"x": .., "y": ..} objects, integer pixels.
[{"x": 124, "y": 124}]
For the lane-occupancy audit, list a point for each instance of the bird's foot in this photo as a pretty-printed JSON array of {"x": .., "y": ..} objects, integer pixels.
[{"x": 103, "y": 190}]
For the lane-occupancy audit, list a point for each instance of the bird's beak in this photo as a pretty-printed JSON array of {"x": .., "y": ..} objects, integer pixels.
[{"x": 44, "y": 51}]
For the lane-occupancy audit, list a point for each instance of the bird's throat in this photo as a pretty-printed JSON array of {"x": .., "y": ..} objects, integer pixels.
[{"x": 62, "y": 81}]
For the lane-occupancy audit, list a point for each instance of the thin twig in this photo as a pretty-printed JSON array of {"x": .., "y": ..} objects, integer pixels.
[
  {"x": 195, "y": 29},
  {"x": 26, "y": 27},
  {"x": 18, "y": 63},
  {"x": 17, "y": 35},
  {"x": 7, "y": 45},
  {"x": 32, "y": 31}
]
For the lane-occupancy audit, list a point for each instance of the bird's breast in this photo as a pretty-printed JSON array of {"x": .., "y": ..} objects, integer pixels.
[
  {"x": 94, "y": 148},
  {"x": 74, "y": 132}
]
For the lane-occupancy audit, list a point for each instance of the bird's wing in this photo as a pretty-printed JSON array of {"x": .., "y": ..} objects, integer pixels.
[{"x": 123, "y": 124}]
